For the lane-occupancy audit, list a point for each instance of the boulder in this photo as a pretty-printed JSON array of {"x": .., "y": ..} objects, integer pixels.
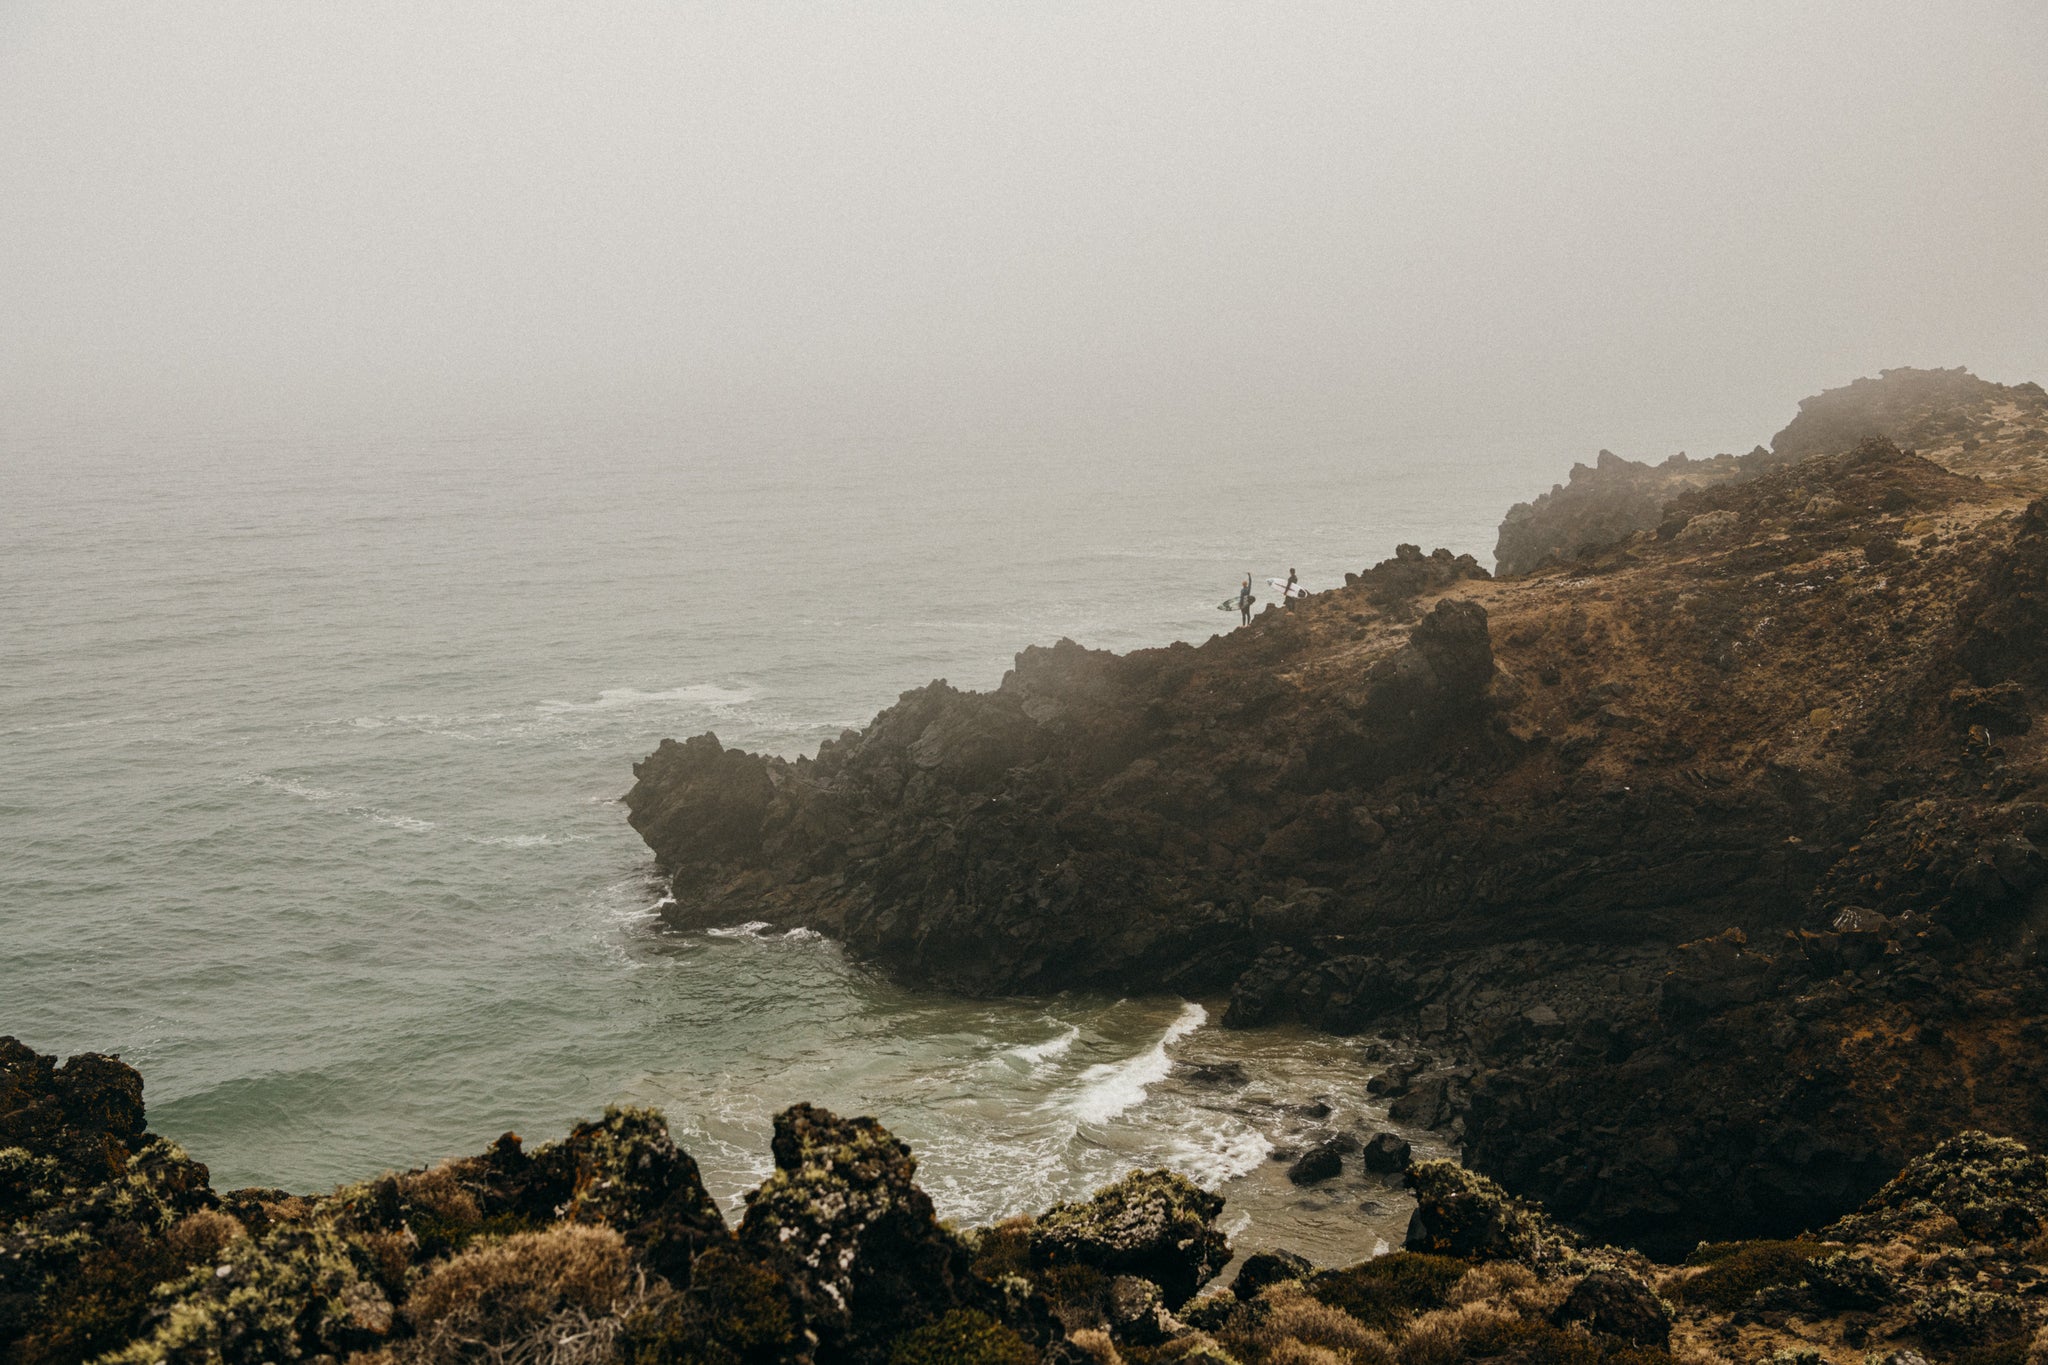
[
  {"x": 1387, "y": 1153},
  {"x": 1263, "y": 1268},
  {"x": 1617, "y": 1304},
  {"x": 1324, "y": 1161},
  {"x": 1153, "y": 1224},
  {"x": 1462, "y": 1213}
]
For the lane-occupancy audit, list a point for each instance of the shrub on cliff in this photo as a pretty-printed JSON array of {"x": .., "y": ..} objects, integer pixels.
[
  {"x": 962, "y": 1337},
  {"x": 1736, "y": 1272},
  {"x": 734, "y": 1313},
  {"x": 570, "y": 1285}
]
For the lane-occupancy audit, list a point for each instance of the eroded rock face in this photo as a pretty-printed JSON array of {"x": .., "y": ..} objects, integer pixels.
[{"x": 1152, "y": 1224}]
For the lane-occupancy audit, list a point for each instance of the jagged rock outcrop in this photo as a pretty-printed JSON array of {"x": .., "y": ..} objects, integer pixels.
[
  {"x": 1096, "y": 819},
  {"x": 1607, "y": 502},
  {"x": 852, "y": 1237},
  {"x": 602, "y": 1247},
  {"x": 839, "y": 1259},
  {"x": 1964, "y": 424}
]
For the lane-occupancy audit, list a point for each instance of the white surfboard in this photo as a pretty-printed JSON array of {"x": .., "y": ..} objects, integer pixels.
[{"x": 1296, "y": 591}]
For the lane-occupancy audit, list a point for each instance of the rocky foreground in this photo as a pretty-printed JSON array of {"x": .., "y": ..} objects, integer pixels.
[
  {"x": 1697, "y": 873},
  {"x": 604, "y": 1247}
]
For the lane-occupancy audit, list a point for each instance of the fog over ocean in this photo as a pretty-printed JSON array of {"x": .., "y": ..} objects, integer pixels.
[{"x": 411, "y": 414}]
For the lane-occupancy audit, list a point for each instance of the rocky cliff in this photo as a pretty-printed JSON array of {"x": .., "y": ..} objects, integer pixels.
[
  {"x": 1964, "y": 424},
  {"x": 603, "y": 1249},
  {"x": 1711, "y": 863}
]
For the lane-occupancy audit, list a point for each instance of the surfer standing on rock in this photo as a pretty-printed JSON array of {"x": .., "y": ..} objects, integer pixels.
[{"x": 1244, "y": 600}]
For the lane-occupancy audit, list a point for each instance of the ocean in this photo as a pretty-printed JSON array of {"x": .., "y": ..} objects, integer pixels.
[{"x": 314, "y": 737}]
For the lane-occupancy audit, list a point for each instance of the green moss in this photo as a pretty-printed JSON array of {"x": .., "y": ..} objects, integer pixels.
[
  {"x": 734, "y": 1313},
  {"x": 99, "y": 1304},
  {"x": 962, "y": 1337},
  {"x": 298, "y": 1292},
  {"x": 441, "y": 1234},
  {"x": 1004, "y": 1249},
  {"x": 1387, "y": 1290},
  {"x": 1738, "y": 1271}
]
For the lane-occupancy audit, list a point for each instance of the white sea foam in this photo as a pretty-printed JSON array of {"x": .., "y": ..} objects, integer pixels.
[
  {"x": 1110, "y": 1088},
  {"x": 287, "y": 786},
  {"x": 751, "y": 929},
  {"x": 1213, "y": 1157},
  {"x": 405, "y": 822},
  {"x": 802, "y": 935},
  {"x": 1052, "y": 1049},
  {"x": 618, "y": 698}
]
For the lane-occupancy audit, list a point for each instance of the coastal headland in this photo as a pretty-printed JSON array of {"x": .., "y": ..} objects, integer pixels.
[{"x": 1701, "y": 858}]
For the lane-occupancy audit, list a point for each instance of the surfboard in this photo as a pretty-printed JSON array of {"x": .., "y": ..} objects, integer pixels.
[
  {"x": 1230, "y": 604},
  {"x": 1296, "y": 591}
]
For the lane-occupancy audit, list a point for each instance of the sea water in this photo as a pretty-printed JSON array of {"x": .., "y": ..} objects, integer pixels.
[{"x": 313, "y": 733}]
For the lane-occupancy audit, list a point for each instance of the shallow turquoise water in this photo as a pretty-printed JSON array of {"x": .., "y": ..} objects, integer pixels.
[{"x": 314, "y": 737}]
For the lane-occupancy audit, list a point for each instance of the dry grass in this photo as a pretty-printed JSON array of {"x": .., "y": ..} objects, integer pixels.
[
  {"x": 1097, "y": 1345},
  {"x": 1439, "y": 1337},
  {"x": 1294, "y": 1318},
  {"x": 1494, "y": 1282},
  {"x": 200, "y": 1236},
  {"x": 1292, "y": 1352},
  {"x": 557, "y": 1297}
]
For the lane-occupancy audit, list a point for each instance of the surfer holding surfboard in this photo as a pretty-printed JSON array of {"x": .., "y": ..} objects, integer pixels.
[{"x": 1290, "y": 589}]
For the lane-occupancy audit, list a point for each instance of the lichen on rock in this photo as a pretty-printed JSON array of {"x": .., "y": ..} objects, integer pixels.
[{"x": 1153, "y": 1224}]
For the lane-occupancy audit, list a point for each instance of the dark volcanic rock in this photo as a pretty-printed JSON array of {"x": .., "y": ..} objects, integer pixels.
[
  {"x": 1152, "y": 1224},
  {"x": 1618, "y": 1304},
  {"x": 1324, "y": 1161},
  {"x": 1263, "y": 1268},
  {"x": 851, "y": 1236},
  {"x": 623, "y": 1171},
  {"x": 85, "y": 1115},
  {"x": 1607, "y": 503},
  {"x": 1387, "y": 1152},
  {"x": 1461, "y": 1213}
]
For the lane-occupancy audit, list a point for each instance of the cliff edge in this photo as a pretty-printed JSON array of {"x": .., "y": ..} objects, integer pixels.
[{"x": 1711, "y": 863}]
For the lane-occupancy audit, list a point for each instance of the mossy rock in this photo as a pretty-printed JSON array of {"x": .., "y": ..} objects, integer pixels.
[
  {"x": 1995, "y": 1188},
  {"x": 1953, "y": 1316},
  {"x": 965, "y": 1336},
  {"x": 845, "y": 1225},
  {"x": 1156, "y": 1225},
  {"x": 1388, "y": 1290},
  {"x": 1461, "y": 1213},
  {"x": 1737, "y": 1272}
]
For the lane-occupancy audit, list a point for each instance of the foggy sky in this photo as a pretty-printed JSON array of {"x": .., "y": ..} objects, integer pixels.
[{"x": 1588, "y": 222}]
